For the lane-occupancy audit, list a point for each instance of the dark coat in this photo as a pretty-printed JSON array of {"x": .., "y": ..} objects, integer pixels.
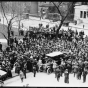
[
  {"x": 0, "y": 46},
  {"x": 66, "y": 77}
]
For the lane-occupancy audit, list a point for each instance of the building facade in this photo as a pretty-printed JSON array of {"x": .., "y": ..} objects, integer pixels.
[
  {"x": 81, "y": 12},
  {"x": 34, "y": 8}
]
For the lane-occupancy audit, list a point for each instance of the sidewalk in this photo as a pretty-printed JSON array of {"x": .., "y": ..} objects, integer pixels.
[
  {"x": 14, "y": 74},
  {"x": 45, "y": 80}
]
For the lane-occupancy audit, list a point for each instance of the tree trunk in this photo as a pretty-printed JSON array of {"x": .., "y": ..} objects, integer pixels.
[
  {"x": 8, "y": 37},
  {"x": 19, "y": 28},
  {"x": 57, "y": 32},
  {"x": 8, "y": 34},
  {"x": 9, "y": 31}
]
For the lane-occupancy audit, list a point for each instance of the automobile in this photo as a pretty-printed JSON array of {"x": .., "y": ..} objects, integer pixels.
[
  {"x": 58, "y": 55},
  {"x": 55, "y": 56},
  {"x": 3, "y": 75}
]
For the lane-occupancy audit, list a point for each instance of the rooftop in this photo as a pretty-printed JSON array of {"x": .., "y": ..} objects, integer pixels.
[{"x": 82, "y": 7}]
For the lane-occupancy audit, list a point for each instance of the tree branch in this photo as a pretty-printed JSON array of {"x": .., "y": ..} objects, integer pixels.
[
  {"x": 18, "y": 20},
  {"x": 64, "y": 17},
  {"x": 58, "y": 9},
  {"x": 4, "y": 35},
  {"x": 10, "y": 22},
  {"x": 68, "y": 10},
  {"x": 14, "y": 17},
  {"x": 4, "y": 13},
  {"x": 59, "y": 3}
]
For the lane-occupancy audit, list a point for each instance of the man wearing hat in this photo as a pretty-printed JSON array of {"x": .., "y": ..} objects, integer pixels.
[
  {"x": 57, "y": 73},
  {"x": 79, "y": 73},
  {"x": 24, "y": 69},
  {"x": 0, "y": 47},
  {"x": 34, "y": 69},
  {"x": 66, "y": 74},
  {"x": 17, "y": 70},
  {"x": 84, "y": 75}
]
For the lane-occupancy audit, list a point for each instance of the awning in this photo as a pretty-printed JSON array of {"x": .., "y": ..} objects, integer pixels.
[{"x": 53, "y": 54}]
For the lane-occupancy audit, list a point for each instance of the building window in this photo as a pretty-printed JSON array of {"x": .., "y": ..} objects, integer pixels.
[
  {"x": 87, "y": 13},
  {"x": 81, "y": 14},
  {"x": 84, "y": 14},
  {"x": 84, "y": 3}
]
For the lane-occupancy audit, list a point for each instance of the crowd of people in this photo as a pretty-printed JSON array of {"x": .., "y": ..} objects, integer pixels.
[{"x": 30, "y": 52}]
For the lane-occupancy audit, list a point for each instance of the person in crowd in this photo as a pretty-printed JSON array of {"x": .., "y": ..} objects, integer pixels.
[
  {"x": 0, "y": 47},
  {"x": 17, "y": 69},
  {"x": 21, "y": 75},
  {"x": 1, "y": 81},
  {"x": 24, "y": 69},
  {"x": 75, "y": 69},
  {"x": 39, "y": 64},
  {"x": 61, "y": 70},
  {"x": 57, "y": 73},
  {"x": 8, "y": 69},
  {"x": 84, "y": 75},
  {"x": 44, "y": 43},
  {"x": 34, "y": 70},
  {"x": 54, "y": 66},
  {"x": 79, "y": 73},
  {"x": 66, "y": 74}
]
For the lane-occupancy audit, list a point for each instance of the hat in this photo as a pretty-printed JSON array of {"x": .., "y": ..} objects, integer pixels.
[
  {"x": 31, "y": 56},
  {"x": 66, "y": 69},
  {"x": 35, "y": 59}
]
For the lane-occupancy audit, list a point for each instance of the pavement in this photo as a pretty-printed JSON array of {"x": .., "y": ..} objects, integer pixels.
[{"x": 45, "y": 80}]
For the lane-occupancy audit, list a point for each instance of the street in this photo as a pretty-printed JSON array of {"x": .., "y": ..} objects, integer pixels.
[{"x": 45, "y": 80}]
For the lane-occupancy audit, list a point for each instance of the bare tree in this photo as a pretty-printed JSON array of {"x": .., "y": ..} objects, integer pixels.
[
  {"x": 9, "y": 27},
  {"x": 16, "y": 9},
  {"x": 63, "y": 9}
]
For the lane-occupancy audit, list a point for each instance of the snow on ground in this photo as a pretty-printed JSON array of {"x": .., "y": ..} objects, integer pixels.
[
  {"x": 45, "y": 80},
  {"x": 79, "y": 27},
  {"x": 34, "y": 22},
  {"x": 4, "y": 43}
]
